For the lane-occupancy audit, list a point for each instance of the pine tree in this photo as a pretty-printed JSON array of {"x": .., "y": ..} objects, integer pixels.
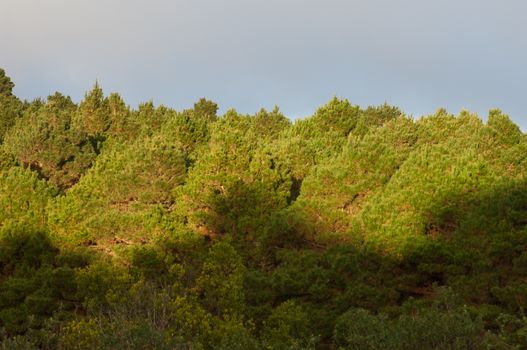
[
  {"x": 10, "y": 106},
  {"x": 206, "y": 108},
  {"x": 93, "y": 116},
  {"x": 44, "y": 140},
  {"x": 6, "y": 85}
]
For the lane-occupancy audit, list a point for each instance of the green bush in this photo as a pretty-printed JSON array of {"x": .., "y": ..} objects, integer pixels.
[
  {"x": 428, "y": 329},
  {"x": 23, "y": 198}
]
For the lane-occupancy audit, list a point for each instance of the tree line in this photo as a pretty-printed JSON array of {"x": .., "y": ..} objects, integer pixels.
[{"x": 354, "y": 228}]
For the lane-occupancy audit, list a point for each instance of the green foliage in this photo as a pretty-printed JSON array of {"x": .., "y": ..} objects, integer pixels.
[
  {"x": 6, "y": 161},
  {"x": 505, "y": 130},
  {"x": 101, "y": 284},
  {"x": 220, "y": 282},
  {"x": 335, "y": 193},
  {"x": 11, "y": 110},
  {"x": 45, "y": 141},
  {"x": 93, "y": 115},
  {"x": 6, "y": 85},
  {"x": 233, "y": 189},
  {"x": 338, "y": 115},
  {"x": 122, "y": 197},
  {"x": 288, "y": 328},
  {"x": 152, "y": 228},
  {"x": 190, "y": 129},
  {"x": 23, "y": 198},
  {"x": 206, "y": 109},
  {"x": 121, "y": 123},
  {"x": 430, "y": 329},
  {"x": 33, "y": 284},
  {"x": 148, "y": 119}
]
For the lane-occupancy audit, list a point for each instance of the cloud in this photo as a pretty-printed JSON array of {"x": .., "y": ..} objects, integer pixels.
[{"x": 419, "y": 55}]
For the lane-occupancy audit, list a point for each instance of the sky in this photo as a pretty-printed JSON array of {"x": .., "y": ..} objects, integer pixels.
[{"x": 296, "y": 54}]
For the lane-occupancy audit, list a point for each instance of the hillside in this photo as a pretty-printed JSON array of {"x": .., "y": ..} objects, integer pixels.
[{"x": 354, "y": 228}]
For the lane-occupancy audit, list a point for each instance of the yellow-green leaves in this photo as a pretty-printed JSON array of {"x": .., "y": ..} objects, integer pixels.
[{"x": 23, "y": 198}]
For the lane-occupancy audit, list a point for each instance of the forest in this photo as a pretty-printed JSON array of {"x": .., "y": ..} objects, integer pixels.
[{"x": 353, "y": 228}]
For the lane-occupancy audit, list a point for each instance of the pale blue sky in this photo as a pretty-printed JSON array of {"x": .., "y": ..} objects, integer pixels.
[{"x": 297, "y": 54}]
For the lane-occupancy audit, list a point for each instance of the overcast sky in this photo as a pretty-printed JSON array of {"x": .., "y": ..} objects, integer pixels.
[{"x": 297, "y": 54}]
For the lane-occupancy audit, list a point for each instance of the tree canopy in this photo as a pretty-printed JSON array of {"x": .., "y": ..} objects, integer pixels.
[{"x": 354, "y": 228}]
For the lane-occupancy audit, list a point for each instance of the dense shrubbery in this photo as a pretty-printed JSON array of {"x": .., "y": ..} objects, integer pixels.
[{"x": 351, "y": 229}]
